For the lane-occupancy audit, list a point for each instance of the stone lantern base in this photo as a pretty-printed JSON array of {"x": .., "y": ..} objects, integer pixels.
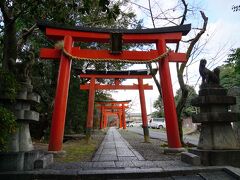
[
  {"x": 24, "y": 161},
  {"x": 21, "y": 154},
  {"x": 217, "y": 157},
  {"x": 217, "y": 143}
]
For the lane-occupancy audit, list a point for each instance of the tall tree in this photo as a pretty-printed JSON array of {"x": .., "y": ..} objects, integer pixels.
[
  {"x": 19, "y": 35},
  {"x": 18, "y": 19},
  {"x": 167, "y": 17}
]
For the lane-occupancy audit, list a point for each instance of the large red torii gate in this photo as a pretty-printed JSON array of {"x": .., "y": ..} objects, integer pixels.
[{"x": 69, "y": 35}]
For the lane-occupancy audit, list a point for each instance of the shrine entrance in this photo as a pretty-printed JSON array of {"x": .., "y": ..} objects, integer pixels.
[
  {"x": 116, "y": 107},
  {"x": 117, "y": 76},
  {"x": 69, "y": 35}
]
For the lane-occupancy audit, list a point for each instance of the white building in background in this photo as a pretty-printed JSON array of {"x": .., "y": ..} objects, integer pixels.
[{"x": 136, "y": 117}]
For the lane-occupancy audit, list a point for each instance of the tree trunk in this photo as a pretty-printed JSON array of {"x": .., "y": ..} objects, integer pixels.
[
  {"x": 155, "y": 79},
  {"x": 180, "y": 71},
  {"x": 181, "y": 103},
  {"x": 10, "y": 45}
]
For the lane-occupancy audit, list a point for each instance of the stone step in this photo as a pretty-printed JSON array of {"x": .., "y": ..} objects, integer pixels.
[{"x": 216, "y": 173}]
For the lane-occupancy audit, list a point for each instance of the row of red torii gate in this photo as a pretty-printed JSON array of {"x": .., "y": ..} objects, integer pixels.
[
  {"x": 110, "y": 108},
  {"x": 116, "y": 76},
  {"x": 116, "y": 37}
]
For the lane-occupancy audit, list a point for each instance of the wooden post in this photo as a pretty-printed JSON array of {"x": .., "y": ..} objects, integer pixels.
[
  {"x": 91, "y": 97},
  {"x": 168, "y": 100},
  {"x": 120, "y": 120},
  {"x": 101, "y": 117},
  {"x": 60, "y": 103},
  {"x": 124, "y": 116},
  {"x": 105, "y": 120},
  {"x": 143, "y": 110}
]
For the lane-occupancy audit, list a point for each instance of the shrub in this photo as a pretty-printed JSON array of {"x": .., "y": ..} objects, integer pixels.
[
  {"x": 8, "y": 85},
  {"x": 7, "y": 126}
]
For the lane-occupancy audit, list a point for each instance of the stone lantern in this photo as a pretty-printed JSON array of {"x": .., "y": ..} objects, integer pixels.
[
  {"x": 21, "y": 154},
  {"x": 217, "y": 143}
]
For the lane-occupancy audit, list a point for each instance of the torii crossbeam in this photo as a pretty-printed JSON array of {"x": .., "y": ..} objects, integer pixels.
[{"x": 69, "y": 35}]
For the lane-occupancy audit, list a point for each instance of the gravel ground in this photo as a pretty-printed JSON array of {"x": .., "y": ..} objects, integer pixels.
[{"x": 152, "y": 151}]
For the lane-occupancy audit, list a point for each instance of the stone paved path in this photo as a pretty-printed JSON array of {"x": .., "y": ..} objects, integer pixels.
[
  {"x": 115, "y": 148},
  {"x": 116, "y": 159},
  {"x": 116, "y": 153}
]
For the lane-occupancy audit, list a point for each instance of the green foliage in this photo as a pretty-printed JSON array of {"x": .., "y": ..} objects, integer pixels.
[
  {"x": 230, "y": 72},
  {"x": 77, "y": 107},
  {"x": 157, "y": 114},
  {"x": 188, "y": 109},
  {"x": 7, "y": 126},
  {"x": 44, "y": 80},
  {"x": 228, "y": 76},
  {"x": 158, "y": 105},
  {"x": 91, "y": 13},
  {"x": 234, "y": 58},
  {"x": 8, "y": 85}
]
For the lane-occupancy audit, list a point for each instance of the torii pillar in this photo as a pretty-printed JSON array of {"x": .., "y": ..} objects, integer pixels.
[
  {"x": 168, "y": 100},
  {"x": 60, "y": 103},
  {"x": 143, "y": 110},
  {"x": 91, "y": 97},
  {"x": 124, "y": 117},
  {"x": 105, "y": 120},
  {"x": 101, "y": 124},
  {"x": 120, "y": 120}
]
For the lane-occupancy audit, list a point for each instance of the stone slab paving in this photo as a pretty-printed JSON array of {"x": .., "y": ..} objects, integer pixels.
[
  {"x": 115, "y": 148},
  {"x": 121, "y": 155},
  {"x": 116, "y": 153},
  {"x": 116, "y": 159}
]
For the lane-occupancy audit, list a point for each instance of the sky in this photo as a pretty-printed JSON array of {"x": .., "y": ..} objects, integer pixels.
[{"x": 223, "y": 34}]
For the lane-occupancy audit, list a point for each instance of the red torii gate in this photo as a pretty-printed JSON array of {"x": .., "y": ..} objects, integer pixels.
[
  {"x": 105, "y": 110},
  {"x": 107, "y": 114},
  {"x": 114, "y": 105},
  {"x": 69, "y": 35},
  {"x": 117, "y": 75}
]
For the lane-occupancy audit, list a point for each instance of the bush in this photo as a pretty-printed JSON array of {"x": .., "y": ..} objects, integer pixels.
[
  {"x": 8, "y": 85},
  {"x": 7, "y": 126}
]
